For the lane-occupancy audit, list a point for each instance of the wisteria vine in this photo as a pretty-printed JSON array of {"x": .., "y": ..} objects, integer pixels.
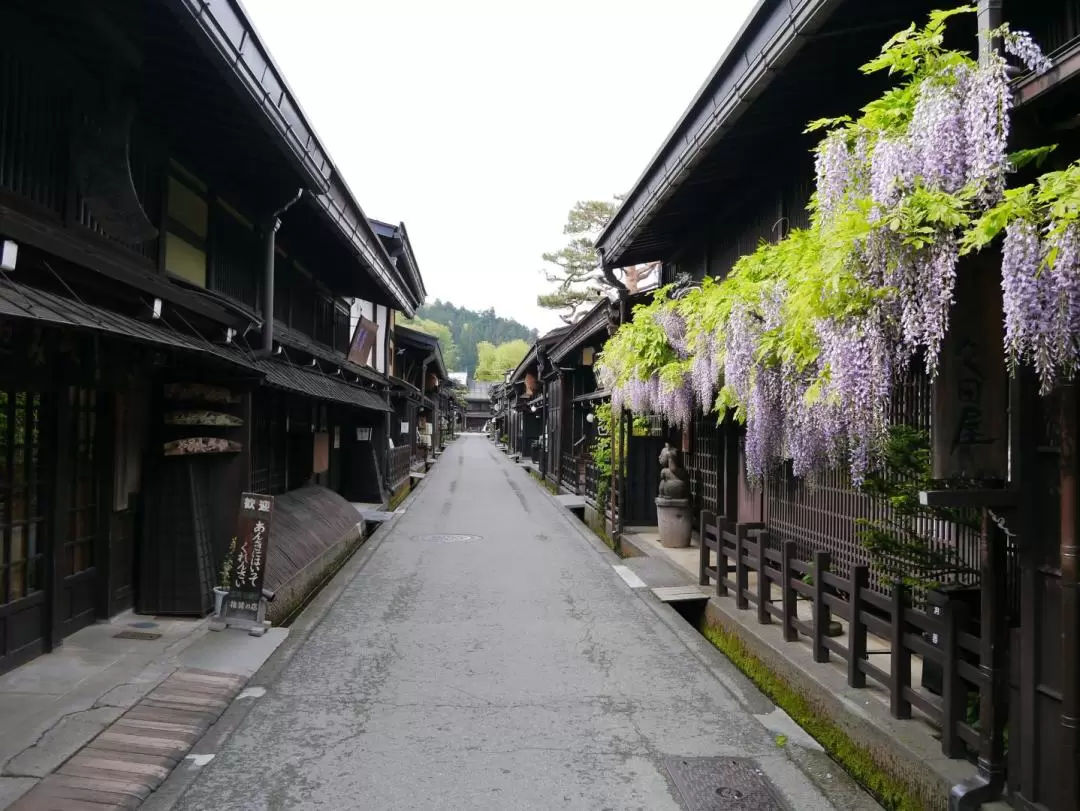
[{"x": 805, "y": 337}]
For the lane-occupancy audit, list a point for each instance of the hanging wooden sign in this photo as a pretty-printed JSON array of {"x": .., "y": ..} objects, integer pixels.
[
  {"x": 248, "y": 564},
  {"x": 363, "y": 340}
]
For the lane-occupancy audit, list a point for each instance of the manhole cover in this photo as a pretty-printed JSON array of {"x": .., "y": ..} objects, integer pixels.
[
  {"x": 442, "y": 538},
  {"x": 146, "y": 635},
  {"x": 143, "y": 624},
  {"x": 721, "y": 784}
]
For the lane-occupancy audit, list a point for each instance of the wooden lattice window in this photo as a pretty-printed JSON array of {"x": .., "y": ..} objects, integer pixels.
[
  {"x": 78, "y": 547},
  {"x": 22, "y": 484},
  {"x": 704, "y": 464}
]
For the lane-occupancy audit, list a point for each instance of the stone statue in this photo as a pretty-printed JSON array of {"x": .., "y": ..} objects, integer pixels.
[{"x": 674, "y": 480}]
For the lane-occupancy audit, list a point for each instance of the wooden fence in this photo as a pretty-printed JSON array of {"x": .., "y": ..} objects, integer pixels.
[
  {"x": 568, "y": 471},
  {"x": 400, "y": 465},
  {"x": 881, "y": 627}
]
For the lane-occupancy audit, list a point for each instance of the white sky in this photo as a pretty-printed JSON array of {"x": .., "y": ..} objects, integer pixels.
[{"x": 479, "y": 126}]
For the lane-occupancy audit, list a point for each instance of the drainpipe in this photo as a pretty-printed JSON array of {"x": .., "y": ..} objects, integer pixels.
[
  {"x": 269, "y": 237},
  {"x": 989, "y": 18},
  {"x": 423, "y": 388}
]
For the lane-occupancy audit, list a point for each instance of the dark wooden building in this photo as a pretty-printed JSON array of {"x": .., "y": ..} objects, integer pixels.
[
  {"x": 419, "y": 378},
  {"x": 526, "y": 396},
  {"x": 737, "y": 169},
  {"x": 176, "y": 327},
  {"x": 477, "y": 405}
]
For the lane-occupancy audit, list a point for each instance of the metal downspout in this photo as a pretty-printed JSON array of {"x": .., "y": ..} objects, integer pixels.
[{"x": 269, "y": 240}]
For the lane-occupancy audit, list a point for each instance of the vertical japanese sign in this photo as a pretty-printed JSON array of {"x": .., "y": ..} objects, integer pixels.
[
  {"x": 249, "y": 558},
  {"x": 970, "y": 396}
]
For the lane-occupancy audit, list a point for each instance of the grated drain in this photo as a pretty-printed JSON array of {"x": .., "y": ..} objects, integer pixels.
[
  {"x": 443, "y": 538},
  {"x": 722, "y": 784},
  {"x": 144, "y": 635}
]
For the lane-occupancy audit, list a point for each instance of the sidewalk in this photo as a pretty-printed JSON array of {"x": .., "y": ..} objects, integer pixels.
[{"x": 53, "y": 707}]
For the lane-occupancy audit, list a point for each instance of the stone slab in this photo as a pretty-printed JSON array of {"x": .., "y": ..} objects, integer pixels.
[
  {"x": 45, "y": 802},
  {"x": 120, "y": 764},
  {"x": 107, "y": 799},
  {"x": 69, "y": 735},
  {"x": 12, "y": 788},
  {"x": 231, "y": 653},
  {"x": 131, "y": 787},
  {"x": 677, "y": 594}
]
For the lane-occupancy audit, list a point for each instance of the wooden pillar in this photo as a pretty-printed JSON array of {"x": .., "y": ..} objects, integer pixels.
[
  {"x": 1070, "y": 604},
  {"x": 989, "y": 18}
]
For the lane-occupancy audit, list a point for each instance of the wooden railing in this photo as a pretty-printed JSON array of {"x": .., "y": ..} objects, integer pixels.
[
  {"x": 400, "y": 464},
  {"x": 885, "y": 627}
]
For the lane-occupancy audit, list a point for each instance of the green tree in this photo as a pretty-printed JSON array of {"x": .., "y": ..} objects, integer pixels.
[
  {"x": 575, "y": 269},
  {"x": 469, "y": 327},
  {"x": 496, "y": 361},
  {"x": 450, "y": 352}
]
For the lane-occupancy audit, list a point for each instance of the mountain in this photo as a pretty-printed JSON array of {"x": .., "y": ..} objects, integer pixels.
[{"x": 469, "y": 328}]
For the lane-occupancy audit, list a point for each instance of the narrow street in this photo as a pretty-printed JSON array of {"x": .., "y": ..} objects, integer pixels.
[{"x": 510, "y": 669}]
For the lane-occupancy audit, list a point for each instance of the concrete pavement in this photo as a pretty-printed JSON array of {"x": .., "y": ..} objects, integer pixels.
[{"x": 487, "y": 655}]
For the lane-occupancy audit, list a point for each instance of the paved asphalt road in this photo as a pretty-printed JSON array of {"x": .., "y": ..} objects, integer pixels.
[{"x": 515, "y": 670}]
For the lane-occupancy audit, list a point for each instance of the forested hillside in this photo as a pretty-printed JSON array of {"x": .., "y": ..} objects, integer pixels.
[{"x": 468, "y": 328}]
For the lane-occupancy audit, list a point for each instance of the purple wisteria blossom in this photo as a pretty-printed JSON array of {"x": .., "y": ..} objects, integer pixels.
[
  {"x": 705, "y": 370},
  {"x": 833, "y": 165},
  {"x": 939, "y": 144},
  {"x": 855, "y": 355},
  {"x": 892, "y": 168},
  {"x": 764, "y": 423},
  {"x": 1023, "y": 47},
  {"x": 986, "y": 122},
  {"x": 674, "y": 326}
]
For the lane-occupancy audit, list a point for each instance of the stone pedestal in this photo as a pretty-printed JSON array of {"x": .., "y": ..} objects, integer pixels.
[{"x": 675, "y": 520}]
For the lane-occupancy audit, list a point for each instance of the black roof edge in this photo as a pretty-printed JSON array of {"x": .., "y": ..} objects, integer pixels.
[
  {"x": 401, "y": 234},
  {"x": 774, "y": 29},
  {"x": 343, "y": 210},
  {"x": 227, "y": 33},
  {"x": 585, "y": 327}
]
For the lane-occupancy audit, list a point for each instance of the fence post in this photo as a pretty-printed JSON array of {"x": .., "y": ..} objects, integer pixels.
[
  {"x": 764, "y": 586},
  {"x": 953, "y": 690},
  {"x": 721, "y": 559},
  {"x": 790, "y": 597},
  {"x": 741, "y": 579},
  {"x": 707, "y": 520},
  {"x": 900, "y": 678},
  {"x": 821, "y": 611},
  {"x": 860, "y": 578}
]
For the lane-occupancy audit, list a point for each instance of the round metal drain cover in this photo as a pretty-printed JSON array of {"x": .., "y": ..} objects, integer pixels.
[{"x": 443, "y": 538}]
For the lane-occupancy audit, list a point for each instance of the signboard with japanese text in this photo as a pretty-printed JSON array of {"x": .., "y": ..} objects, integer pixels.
[
  {"x": 249, "y": 558},
  {"x": 970, "y": 396}
]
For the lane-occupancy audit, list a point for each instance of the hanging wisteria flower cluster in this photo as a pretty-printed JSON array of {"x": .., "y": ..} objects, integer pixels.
[{"x": 805, "y": 338}]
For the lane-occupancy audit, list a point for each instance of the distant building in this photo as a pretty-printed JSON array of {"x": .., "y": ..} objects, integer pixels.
[{"x": 477, "y": 405}]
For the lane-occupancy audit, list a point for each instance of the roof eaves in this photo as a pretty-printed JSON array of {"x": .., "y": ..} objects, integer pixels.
[
  {"x": 343, "y": 210},
  {"x": 528, "y": 360},
  {"x": 229, "y": 35},
  {"x": 775, "y": 29},
  {"x": 591, "y": 323}
]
